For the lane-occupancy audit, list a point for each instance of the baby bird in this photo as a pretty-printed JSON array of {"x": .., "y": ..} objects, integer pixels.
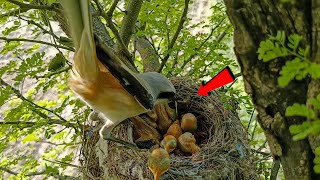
[
  {"x": 187, "y": 143},
  {"x": 189, "y": 123},
  {"x": 159, "y": 162},
  {"x": 169, "y": 143},
  {"x": 175, "y": 129}
]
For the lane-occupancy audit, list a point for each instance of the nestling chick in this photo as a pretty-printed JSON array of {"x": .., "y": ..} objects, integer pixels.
[
  {"x": 163, "y": 121},
  {"x": 187, "y": 143},
  {"x": 159, "y": 162},
  {"x": 175, "y": 129},
  {"x": 189, "y": 123},
  {"x": 169, "y": 143}
]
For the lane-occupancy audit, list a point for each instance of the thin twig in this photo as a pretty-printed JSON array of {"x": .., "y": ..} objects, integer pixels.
[
  {"x": 18, "y": 123},
  {"x": 3, "y": 83},
  {"x": 54, "y": 73},
  {"x": 275, "y": 169},
  {"x": 202, "y": 44},
  {"x": 32, "y": 6},
  {"x": 176, "y": 34},
  {"x": 108, "y": 17},
  {"x": 39, "y": 26},
  {"x": 60, "y": 162},
  {"x": 13, "y": 12},
  {"x": 16, "y": 173},
  {"x": 35, "y": 41},
  {"x": 251, "y": 116},
  {"x": 260, "y": 152},
  {"x": 58, "y": 144},
  {"x": 43, "y": 172}
]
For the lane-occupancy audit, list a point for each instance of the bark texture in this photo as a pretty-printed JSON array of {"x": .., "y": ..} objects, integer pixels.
[{"x": 253, "y": 21}]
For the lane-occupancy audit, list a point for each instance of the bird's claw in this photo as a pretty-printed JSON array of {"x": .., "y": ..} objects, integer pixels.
[{"x": 125, "y": 143}]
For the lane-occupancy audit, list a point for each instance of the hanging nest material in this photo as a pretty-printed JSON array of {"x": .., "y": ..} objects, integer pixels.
[{"x": 224, "y": 150}]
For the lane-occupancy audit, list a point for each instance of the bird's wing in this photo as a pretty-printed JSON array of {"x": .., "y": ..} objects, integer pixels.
[
  {"x": 146, "y": 88},
  {"x": 80, "y": 24}
]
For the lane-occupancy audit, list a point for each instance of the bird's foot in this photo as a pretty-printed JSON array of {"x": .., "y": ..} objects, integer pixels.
[{"x": 120, "y": 141}]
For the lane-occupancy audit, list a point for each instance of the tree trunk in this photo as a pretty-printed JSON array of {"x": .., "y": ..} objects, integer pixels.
[{"x": 253, "y": 21}]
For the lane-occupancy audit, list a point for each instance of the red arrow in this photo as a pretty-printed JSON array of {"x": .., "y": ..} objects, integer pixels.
[{"x": 224, "y": 77}]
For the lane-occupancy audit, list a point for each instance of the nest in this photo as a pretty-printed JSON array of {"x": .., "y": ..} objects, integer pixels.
[{"x": 224, "y": 154}]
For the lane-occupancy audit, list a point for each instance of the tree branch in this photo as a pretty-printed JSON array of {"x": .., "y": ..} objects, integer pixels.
[
  {"x": 43, "y": 172},
  {"x": 18, "y": 123},
  {"x": 201, "y": 45},
  {"x": 219, "y": 39},
  {"x": 176, "y": 34},
  {"x": 275, "y": 169},
  {"x": 17, "y": 93},
  {"x": 60, "y": 162},
  {"x": 148, "y": 54},
  {"x": 40, "y": 27},
  {"x": 54, "y": 73},
  {"x": 13, "y": 12},
  {"x": 52, "y": 121},
  {"x": 130, "y": 20},
  {"x": 32, "y": 6},
  {"x": 15, "y": 173},
  {"x": 35, "y": 41},
  {"x": 108, "y": 17}
]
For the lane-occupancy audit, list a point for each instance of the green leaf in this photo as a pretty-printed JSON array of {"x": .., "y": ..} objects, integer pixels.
[
  {"x": 316, "y": 160},
  {"x": 315, "y": 103},
  {"x": 300, "y": 110},
  {"x": 30, "y": 137},
  {"x": 295, "y": 129},
  {"x": 57, "y": 62},
  {"x": 51, "y": 170},
  {"x": 317, "y": 151},
  {"x": 294, "y": 40},
  {"x": 300, "y": 136},
  {"x": 281, "y": 37},
  {"x": 314, "y": 70},
  {"x": 68, "y": 157},
  {"x": 295, "y": 68},
  {"x": 10, "y": 46},
  {"x": 316, "y": 168},
  {"x": 65, "y": 41},
  {"x": 268, "y": 50}
]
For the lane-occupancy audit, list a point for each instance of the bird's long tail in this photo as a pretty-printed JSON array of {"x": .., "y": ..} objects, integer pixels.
[{"x": 85, "y": 65}]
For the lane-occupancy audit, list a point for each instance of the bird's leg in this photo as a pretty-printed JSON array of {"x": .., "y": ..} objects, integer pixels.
[
  {"x": 106, "y": 129},
  {"x": 105, "y": 133}
]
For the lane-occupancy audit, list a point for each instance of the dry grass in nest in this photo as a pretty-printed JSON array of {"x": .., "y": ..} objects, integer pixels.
[{"x": 224, "y": 151}]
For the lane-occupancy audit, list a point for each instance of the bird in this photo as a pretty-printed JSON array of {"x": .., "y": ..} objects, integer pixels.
[
  {"x": 159, "y": 162},
  {"x": 189, "y": 122},
  {"x": 175, "y": 129},
  {"x": 169, "y": 143},
  {"x": 103, "y": 80},
  {"x": 187, "y": 143}
]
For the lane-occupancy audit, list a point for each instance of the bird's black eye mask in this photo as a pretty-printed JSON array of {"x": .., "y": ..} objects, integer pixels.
[{"x": 126, "y": 78}]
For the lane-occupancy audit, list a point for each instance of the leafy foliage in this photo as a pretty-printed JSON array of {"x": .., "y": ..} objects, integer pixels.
[{"x": 299, "y": 68}]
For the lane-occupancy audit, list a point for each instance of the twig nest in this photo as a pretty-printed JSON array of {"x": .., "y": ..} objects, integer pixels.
[
  {"x": 189, "y": 123},
  {"x": 187, "y": 143},
  {"x": 219, "y": 132}
]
